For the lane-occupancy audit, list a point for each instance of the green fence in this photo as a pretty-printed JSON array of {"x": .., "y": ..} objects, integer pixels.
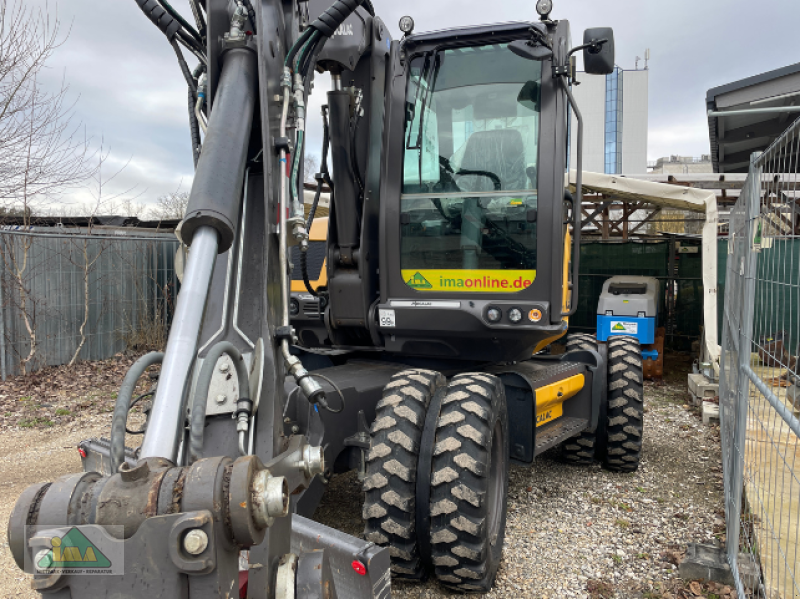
[
  {"x": 681, "y": 310},
  {"x": 777, "y": 299}
]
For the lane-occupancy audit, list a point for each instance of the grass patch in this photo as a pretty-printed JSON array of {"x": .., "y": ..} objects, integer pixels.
[
  {"x": 63, "y": 412},
  {"x": 617, "y": 558},
  {"x": 34, "y": 422},
  {"x": 622, "y": 523}
]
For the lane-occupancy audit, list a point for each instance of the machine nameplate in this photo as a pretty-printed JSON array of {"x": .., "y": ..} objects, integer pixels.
[{"x": 425, "y": 304}]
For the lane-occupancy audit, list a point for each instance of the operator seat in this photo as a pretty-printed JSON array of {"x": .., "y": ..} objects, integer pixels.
[{"x": 500, "y": 152}]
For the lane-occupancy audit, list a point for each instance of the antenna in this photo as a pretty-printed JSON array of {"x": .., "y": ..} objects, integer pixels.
[
  {"x": 646, "y": 58},
  {"x": 637, "y": 63}
]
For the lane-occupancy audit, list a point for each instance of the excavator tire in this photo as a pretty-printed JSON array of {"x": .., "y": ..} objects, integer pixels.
[
  {"x": 580, "y": 450},
  {"x": 469, "y": 483},
  {"x": 581, "y": 342},
  {"x": 624, "y": 421},
  {"x": 390, "y": 484}
]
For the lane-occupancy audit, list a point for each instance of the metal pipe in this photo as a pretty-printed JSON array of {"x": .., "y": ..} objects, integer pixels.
[
  {"x": 166, "y": 419},
  {"x": 312, "y": 390},
  {"x": 201, "y": 118},
  {"x": 336, "y": 82},
  {"x": 749, "y": 111}
]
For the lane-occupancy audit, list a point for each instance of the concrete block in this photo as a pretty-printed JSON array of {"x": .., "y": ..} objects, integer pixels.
[
  {"x": 700, "y": 386},
  {"x": 710, "y": 412},
  {"x": 710, "y": 563}
]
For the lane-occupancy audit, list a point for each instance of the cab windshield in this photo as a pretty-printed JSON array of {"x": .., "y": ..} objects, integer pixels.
[{"x": 469, "y": 196}]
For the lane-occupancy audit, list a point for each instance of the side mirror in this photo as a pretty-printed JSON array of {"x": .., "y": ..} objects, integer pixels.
[
  {"x": 527, "y": 51},
  {"x": 598, "y": 58}
]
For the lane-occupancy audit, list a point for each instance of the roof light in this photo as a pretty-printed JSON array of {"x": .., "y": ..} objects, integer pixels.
[
  {"x": 494, "y": 315},
  {"x": 407, "y": 25},
  {"x": 544, "y": 7},
  {"x": 535, "y": 315},
  {"x": 515, "y": 315}
]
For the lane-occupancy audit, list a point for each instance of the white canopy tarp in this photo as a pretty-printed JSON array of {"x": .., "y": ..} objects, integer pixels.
[{"x": 681, "y": 198}]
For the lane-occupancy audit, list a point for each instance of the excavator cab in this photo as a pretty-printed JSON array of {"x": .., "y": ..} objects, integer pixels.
[{"x": 468, "y": 222}]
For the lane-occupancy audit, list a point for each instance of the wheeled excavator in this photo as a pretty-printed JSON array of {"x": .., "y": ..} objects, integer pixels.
[{"x": 407, "y": 337}]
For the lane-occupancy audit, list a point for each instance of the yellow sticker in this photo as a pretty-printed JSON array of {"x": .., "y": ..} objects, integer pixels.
[{"x": 469, "y": 281}]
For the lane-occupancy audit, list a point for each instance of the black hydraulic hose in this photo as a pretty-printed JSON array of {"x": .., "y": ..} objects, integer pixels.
[
  {"x": 177, "y": 16},
  {"x": 297, "y": 45},
  {"x": 198, "y": 417},
  {"x": 368, "y": 5},
  {"x": 194, "y": 128},
  {"x": 251, "y": 13},
  {"x": 354, "y": 155},
  {"x": 123, "y": 405},
  {"x": 198, "y": 18},
  {"x": 322, "y": 177},
  {"x": 187, "y": 74},
  {"x": 306, "y": 279}
]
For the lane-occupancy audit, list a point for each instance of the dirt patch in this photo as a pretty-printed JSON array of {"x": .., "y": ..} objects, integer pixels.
[{"x": 63, "y": 395}]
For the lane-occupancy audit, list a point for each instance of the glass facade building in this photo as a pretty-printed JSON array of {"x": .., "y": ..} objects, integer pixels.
[{"x": 613, "y": 128}]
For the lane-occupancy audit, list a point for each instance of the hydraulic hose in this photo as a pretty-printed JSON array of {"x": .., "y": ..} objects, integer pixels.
[
  {"x": 194, "y": 129},
  {"x": 198, "y": 418},
  {"x": 123, "y": 406}
]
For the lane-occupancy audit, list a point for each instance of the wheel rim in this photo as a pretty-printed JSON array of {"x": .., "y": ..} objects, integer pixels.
[{"x": 497, "y": 468}]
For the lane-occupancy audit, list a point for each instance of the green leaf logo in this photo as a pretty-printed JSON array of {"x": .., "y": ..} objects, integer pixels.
[{"x": 419, "y": 282}]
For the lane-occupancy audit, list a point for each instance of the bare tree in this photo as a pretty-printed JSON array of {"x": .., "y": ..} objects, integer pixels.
[
  {"x": 172, "y": 206},
  {"x": 42, "y": 153},
  {"x": 310, "y": 167},
  {"x": 89, "y": 251}
]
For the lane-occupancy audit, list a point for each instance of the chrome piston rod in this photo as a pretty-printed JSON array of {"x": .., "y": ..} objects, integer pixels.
[{"x": 166, "y": 418}]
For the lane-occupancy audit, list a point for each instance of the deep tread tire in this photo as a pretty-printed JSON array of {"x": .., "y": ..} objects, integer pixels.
[
  {"x": 469, "y": 488},
  {"x": 580, "y": 450},
  {"x": 624, "y": 424},
  {"x": 390, "y": 484},
  {"x": 581, "y": 342}
]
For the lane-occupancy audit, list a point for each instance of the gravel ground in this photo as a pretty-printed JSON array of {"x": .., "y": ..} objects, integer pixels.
[
  {"x": 586, "y": 532},
  {"x": 572, "y": 531}
]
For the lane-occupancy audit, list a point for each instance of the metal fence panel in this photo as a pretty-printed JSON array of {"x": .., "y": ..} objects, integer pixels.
[
  {"x": 760, "y": 378},
  {"x": 85, "y": 292}
]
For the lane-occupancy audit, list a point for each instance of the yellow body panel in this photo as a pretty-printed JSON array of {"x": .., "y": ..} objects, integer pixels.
[
  {"x": 319, "y": 232},
  {"x": 567, "y": 255},
  {"x": 550, "y": 399}
]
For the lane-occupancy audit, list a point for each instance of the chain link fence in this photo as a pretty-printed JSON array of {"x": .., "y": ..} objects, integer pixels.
[
  {"x": 760, "y": 378},
  {"x": 74, "y": 294}
]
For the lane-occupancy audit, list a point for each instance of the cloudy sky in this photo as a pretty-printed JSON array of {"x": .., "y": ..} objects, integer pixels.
[{"x": 129, "y": 93}]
